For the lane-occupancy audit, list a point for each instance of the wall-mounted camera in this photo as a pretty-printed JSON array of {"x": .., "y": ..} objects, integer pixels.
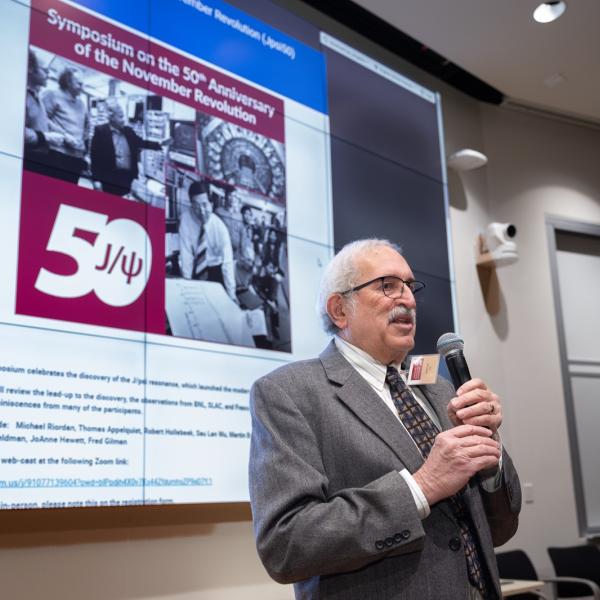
[{"x": 496, "y": 245}]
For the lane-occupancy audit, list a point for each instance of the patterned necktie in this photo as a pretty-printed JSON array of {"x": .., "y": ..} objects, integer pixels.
[
  {"x": 200, "y": 262},
  {"x": 423, "y": 431}
]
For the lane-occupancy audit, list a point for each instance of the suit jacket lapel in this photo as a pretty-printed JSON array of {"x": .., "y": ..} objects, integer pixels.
[{"x": 360, "y": 398}]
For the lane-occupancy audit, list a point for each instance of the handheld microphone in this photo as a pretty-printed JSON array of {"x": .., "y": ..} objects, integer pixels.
[{"x": 450, "y": 346}]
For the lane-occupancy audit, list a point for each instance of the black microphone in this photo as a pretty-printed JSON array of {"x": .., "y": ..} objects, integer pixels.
[{"x": 450, "y": 346}]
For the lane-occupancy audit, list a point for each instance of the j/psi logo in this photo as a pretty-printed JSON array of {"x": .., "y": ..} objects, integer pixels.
[{"x": 115, "y": 265}]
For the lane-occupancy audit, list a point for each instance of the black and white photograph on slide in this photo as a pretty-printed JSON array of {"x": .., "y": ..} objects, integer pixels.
[
  {"x": 226, "y": 264},
  {"x": 241, "y": 157},
  {"x": 95, "y": 131}
]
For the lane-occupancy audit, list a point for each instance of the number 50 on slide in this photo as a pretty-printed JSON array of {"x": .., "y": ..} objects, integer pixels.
[{"x": 90, "y": 258}]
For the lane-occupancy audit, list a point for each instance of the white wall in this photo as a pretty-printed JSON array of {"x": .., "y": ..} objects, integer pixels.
[{"x": 538, "y": 167}]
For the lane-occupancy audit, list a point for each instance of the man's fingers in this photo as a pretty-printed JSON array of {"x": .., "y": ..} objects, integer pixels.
[
  {"x": 479, "y": 450},
  {"x": 484, "y": 463},
  {"x": 488, "y": 421},
  {"x": 465, "y": 430},
  {"x": 471, "y": 398},
  {"x": 477, "y": 440},
  {"x": 472, "y": 384},
  {"x": 485, "y": 407}
]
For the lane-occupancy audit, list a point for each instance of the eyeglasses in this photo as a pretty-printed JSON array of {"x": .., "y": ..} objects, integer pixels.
[{"x": 390, "y": 285}]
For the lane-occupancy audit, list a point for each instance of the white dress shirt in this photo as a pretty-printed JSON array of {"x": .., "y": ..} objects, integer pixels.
[{"x": 218, "y": 247}]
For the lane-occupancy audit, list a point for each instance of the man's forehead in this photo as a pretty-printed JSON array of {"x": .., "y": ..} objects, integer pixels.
[{"x": 383, "y": 260}]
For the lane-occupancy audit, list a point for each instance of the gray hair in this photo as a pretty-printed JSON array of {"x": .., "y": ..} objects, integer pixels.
[
  {"x": 112, "y": 104},
  {"x": 342, "y": 274},
  {"x": 65, "y": 79}
]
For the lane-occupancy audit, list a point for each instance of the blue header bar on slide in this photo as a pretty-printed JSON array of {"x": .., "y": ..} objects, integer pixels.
[{"x": 224, "y": 36}]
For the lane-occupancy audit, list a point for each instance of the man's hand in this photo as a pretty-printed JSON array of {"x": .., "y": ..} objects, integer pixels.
[
  {"x": 457, "y": 454},
  {"x": 71, "y": 142},
  {"x": 476, "y": 404},
  {"x": 54, "y": 138}
]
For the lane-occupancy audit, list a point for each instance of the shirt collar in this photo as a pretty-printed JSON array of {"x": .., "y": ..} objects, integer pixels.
[{"x": 368, "y": 367}]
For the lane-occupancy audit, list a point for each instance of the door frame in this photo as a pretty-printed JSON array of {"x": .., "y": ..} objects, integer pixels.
[{"x": 554, "y": 225}]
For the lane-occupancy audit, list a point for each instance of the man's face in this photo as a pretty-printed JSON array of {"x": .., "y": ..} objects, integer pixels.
[
  {"x": 75, "y": 86},
  {"x": 247, "y": 217},
  {"x": 38, "y": 76},
  {"x": 234, "y": 204},
  {"x": 116, "y": 117},
  {"x": 201, "y": 207},
  {"x": 370, "y": 326}
]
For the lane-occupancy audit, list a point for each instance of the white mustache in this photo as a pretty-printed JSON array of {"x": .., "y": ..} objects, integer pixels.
[{"x": 399, "y": 311}]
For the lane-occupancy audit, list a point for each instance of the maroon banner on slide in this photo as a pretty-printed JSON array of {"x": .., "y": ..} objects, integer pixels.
[{"x": 93, "y": 42}]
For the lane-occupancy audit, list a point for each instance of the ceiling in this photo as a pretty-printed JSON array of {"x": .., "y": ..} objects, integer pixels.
[{"x": 553, "y": 67}]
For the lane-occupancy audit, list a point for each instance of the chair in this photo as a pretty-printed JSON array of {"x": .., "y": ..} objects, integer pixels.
[
  {"x": 574, "y": 564},
  {"x": 515, "y": 564}
]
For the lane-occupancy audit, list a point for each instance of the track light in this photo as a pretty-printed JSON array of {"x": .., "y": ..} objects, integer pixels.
[{"x": 549, "y": 11}]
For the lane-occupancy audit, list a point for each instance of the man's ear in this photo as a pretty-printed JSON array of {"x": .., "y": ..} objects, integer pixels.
[{"x": 337, "y": 310}]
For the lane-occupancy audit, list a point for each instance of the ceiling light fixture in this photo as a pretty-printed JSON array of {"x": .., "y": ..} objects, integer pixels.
[{"x": 549, "y": 11}]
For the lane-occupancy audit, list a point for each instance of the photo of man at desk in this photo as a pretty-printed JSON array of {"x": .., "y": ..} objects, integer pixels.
[
  {"x": 217, "y": 271},
  {"x": 205, "y": 244}
]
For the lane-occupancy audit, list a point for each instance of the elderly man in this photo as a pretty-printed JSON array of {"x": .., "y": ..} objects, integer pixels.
[
  {"x": 37, "y": 135},
  {"x": 115, "y": 152},
  {"x": 205, "y": 245},
  {"x": 68, "y": 116},
  {"x": 362, "y": 486}
]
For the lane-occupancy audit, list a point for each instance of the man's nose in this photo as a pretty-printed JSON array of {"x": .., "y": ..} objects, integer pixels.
[{"x": 407, "y": 298}]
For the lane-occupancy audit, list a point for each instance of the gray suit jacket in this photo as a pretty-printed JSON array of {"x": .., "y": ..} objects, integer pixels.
[{"x": 331, "y": 512}]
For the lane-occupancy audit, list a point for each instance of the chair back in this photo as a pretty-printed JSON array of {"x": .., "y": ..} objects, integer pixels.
[
  {"x": 515, "y": 564},
  {"x": 575, "y": 561}
]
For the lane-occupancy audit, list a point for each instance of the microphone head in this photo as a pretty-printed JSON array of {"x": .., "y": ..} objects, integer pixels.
[{"x": 450, "y": 342}]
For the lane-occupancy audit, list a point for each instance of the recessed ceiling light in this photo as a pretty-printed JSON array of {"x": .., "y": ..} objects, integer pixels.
[{"x": 549, "y": 11}]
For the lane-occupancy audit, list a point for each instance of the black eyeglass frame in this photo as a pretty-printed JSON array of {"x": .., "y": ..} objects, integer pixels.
[{"x": 410, "y": 284}]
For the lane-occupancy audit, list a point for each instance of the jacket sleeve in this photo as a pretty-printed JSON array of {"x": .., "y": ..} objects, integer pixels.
[
  {"x": 502, "y": 506},
  {"x": 97, "y": 159},
  {"x": 301, "y": 529}
]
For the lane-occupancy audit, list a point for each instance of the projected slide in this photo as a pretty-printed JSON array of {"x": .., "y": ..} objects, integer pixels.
[
  {"x": 160, "y": 253},
  {"x": 173, "y": 173}
]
